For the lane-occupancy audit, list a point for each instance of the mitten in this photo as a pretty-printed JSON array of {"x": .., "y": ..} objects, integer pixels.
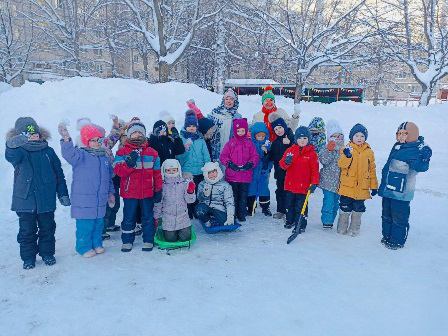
[
  {"x": 312, "y": 187},
  {"x": 288, "y": 158},
  {"x": 331, "y": 145},
  {"x": 191, "y": 187},
  {"x": 17, "y": 141},
  {"x": 158, "y": 196},
  {"x": 111, "y": 200},
  {"x": 64, "y": 200},
  {"x": 131, "y": 159},
  {"x": 374, "y": 192},
  {"x": 426, "y": 153},
  {"x": 247, "y": 166},
  {"x": 232, "y": 166},
  {"x": 174, "y": 133},
  {"x": 230, "y": 220},
  {"x": 207, "y": 190},
  {"x": 347, "y": 152},
  {"x": 62, "y": 129}
]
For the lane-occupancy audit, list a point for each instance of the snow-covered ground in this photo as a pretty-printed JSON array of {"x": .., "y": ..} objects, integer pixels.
[{"x": 244, "y": 283}]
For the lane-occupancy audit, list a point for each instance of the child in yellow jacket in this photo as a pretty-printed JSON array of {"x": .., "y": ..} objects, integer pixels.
[{"x": 358, "y": 177}]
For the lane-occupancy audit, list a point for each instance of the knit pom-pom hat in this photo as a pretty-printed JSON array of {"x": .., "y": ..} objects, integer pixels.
[
  {"x": 190, "y": 119},
  {"x": 89, "y": 132}
]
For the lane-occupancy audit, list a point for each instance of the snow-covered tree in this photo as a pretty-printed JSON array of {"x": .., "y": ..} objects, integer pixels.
[
  {"x": 416, "y": 32},
  {"x": 16, "y": 43}
]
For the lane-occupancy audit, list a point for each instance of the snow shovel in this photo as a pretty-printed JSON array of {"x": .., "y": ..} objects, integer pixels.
[{"x": 296, "y": 230}]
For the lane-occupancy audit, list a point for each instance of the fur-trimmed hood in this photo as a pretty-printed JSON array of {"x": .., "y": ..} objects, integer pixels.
[{"x": 45, "y": 134}]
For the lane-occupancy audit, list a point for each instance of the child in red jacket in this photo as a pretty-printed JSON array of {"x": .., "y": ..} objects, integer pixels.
[
  {"x": 138, "y": 165},
  {"x": 302, "y": 174}
]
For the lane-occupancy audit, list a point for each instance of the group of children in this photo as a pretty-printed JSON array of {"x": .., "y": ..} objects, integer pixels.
[{"x": 169, "y": 178}]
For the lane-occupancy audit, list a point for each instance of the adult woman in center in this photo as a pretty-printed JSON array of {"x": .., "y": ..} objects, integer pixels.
[{"x": 222, "y": 116}]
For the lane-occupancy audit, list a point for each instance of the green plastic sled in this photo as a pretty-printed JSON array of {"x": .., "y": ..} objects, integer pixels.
[{"x": 159, "y": 239}]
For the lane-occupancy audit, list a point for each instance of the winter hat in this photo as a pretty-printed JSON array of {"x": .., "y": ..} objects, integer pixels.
[
  {"x": 190, "y": 119},
  {"x": 89, "y": 132},
  {"x": 279, "y": 122},
  {"x": 240, "y": 123},
  {"x": 267, "y": 94},
  {"x": 259, "y": 127},
  {"x": 412, "y": 129},
  {"x": 159, "y": 126},
  {"x": 229, "y": 93},
  {"x": 204, "y": 125},
  {"x": 333, "y": 127},
  {"x": 165, "y": 116},
  {"x": 81, "y": 122},
  {"x": 136, "y": 127},
  {"x": 101, "y": 129},
  {"x": 211, "y": 166},
  {"x": 171, "y": 163},
  {"x": 26, "y": 125},
  {"x": 356, "y": 129},
  {"x": 317, "y": 125},
  {"x": 302, "y": 131}
]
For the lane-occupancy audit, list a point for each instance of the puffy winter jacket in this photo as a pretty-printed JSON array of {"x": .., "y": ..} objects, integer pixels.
[
  {"x": 166, "y": 147},
  {"x": 330, "y": 172},
  {"x": 92, "y": 181},
  {"x": 240, "y": 152},
  {"x": 221, "y": 197},
  {"x": 196, "y": 156},
  {"x": 260, "y": 177},
  {"x": 173, "y": 207},
  {"x": 303, "y": 170},
  {"x": 401, "y": 169},
  {"x": 278, "y": 148},
  {"x": 291, "y": 122},
  {"x": 143, "y": 180},
  {"x": 358, "y": 174},
  {"x": 38, "y": 177}
]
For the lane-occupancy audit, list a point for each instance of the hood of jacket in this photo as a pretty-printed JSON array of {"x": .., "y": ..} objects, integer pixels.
[
  {"x": 210, "y": 166},
  {"x": 45, "y": 134}
]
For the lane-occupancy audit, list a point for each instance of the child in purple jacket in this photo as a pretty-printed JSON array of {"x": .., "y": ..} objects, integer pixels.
[
  {"x": 92, "y": 187},
  {"x": 240, "y": 157}
]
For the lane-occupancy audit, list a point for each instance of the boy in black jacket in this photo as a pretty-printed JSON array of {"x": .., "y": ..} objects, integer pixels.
[
  {"x": 38, "y": 177},
  {"x": 167, "y": 146},
  {"x": 285, "y": 139}
]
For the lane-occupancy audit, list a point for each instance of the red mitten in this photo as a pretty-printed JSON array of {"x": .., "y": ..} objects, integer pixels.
[
  {"x": 191, "y": 187},
  {"x": 331, "y": 145},
  {"x": 192, "y": 105}
]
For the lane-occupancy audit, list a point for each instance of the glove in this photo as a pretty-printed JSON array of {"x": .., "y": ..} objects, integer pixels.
[
  {"x": 374, "y": 192},
  {"x": 64, "y": 200},
  {"x": 347, "y": 152},
  {"x": 331, "y": 145},
  {"x": 288, "y": 158},
  {"x": 158, "y": 196},
  {"x": 131, "y": 159},
  {"x": 207, "y": 190},
  {"x": 426, "y": 153},
  {"x": 247, "y": 166},
  {"x": 174, "y": 133},
  {"x": 312, "y": 187},
  {"x": 62, "y": 129},
  {"x": 17, "y": 141},
  {"x": 111, "y": 200},
  {"x": 230, "y": 220},
  {"x": 232, "y": 166},
  {"x": 191, "y": 187}
]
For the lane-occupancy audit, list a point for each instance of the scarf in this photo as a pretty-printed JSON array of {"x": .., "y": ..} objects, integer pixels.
[
  {"x": 137, "y": 141},
  {"x": 266, "y": 112},
  {"x": 95, "y": 152},
  {"x": 35, "y": 146},
  {"x": 189, "y": 135}
]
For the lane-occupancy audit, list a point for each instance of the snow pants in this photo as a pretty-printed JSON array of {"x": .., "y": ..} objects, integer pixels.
[
  {"x": 111, "y": 213},
  {"x": 348, "y": 204},
  {"x": 205, "y": 213},
  {"x": 395, "y": 220},
  {"x": 330, "y": 207},
  {"x": 88, "y": 234},
  {"x": 178, "y": 235},
  {"x": 196, "y": 179},
  {"x": 36, "y": 234},
  {"x": 129, "y": 220},
  {"x": 280, "y": 196},
  {"x": 240, "y": 191},
  {"x": 294, "y": 204}
]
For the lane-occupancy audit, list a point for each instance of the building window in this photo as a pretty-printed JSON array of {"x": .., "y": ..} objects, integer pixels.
[
  {"x": 99, "y": 68},
  {"x": 401, "y": 75},
  {"x": 414, "y": 88},
  {"x": 98, "y": 52},
  {"x": 136, "y": 59}
]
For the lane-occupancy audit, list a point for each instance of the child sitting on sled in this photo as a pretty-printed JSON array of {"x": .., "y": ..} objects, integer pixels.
[
  {"x": 176, "y": 194},
  {"x": 216, "y": 204}
]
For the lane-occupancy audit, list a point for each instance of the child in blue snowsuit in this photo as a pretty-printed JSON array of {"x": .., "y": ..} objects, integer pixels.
[
  {"x": 260, "y": 178},
  {"x": 408, "y": 157}
]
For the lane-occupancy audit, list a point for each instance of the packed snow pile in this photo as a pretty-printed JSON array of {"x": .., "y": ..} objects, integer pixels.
[{"x": 248, "y": 282}]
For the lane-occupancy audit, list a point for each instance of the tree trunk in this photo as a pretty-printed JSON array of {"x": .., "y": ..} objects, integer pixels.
[
  {"x": 427, "y": 91},
  {"x": 220, "y": 54},
  {"x": 164, "y": 72},
  {"x": 145, "y": 65}
]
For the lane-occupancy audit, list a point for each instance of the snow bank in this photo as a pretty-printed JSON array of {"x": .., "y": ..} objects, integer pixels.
[
  {"x": 248, "y": 282},
  {"x": 4, "y": 87}
]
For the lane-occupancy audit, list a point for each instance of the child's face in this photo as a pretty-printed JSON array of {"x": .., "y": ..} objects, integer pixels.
[
  {"x": 260, "y": 136},
  {"x": 302, "y": 141},
  {"x": 136, "y": 135},
  {"x": 171, "y": 171},
  {"x": 279, "y": 130},
  {"x": 359, "y": 138},
  {"x": 191, "y": 129},
  {"x": 34, "y": 137},
  {"x": 95, "y": 143},
  {"x": 212, "y": 175},
  {"x": 170, "y": 124},
  {"x": 241, "y": 132},
  {"x": 402, "y": 135},
  {"x": 336, "y": 137}
]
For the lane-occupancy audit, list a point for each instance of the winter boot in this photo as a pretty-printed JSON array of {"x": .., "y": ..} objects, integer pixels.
[
  {"x": 355, "y": 224},
  {"x": 343, "y": 222},
  {"x": 138, "y": 229},
  {"x": 113, "y": 228},
  {"x": 328, "y": 226},
  {"x": 384, "y": 241},
  {"x": 105, "y": 236},
  {"x": 100, "y": 250},
  {"x": 89, "y": 254},
  {"x": 289, "y": 225},
  {"x": 147, "y": 247},
  {"x": 49, "y": 260},
  {"x": 278, "y": 215},
  {"x": 29, "y": 264},
  {"x": 265, "y": 208},
  {"x": 126, "y": 247},
  {"x": 250, "y": 205}
]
